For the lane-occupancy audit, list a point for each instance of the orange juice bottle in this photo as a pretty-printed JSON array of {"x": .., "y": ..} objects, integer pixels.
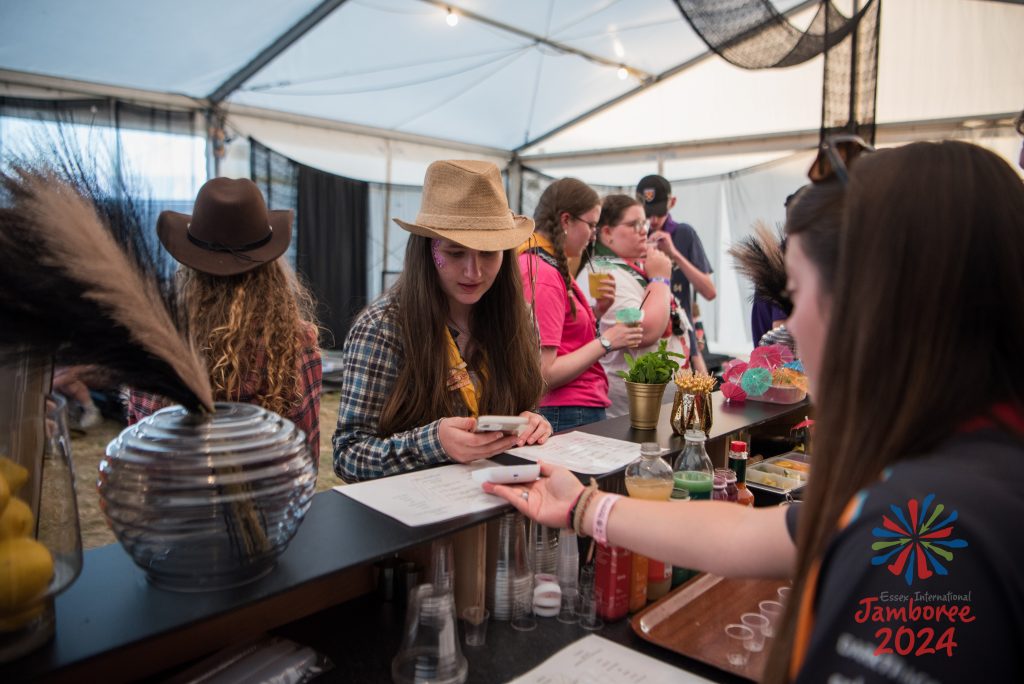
[{"x": 648, "y": 477}]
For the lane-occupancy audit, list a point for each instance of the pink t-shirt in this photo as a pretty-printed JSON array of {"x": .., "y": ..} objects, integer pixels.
[{"x": 558, "y": 329}]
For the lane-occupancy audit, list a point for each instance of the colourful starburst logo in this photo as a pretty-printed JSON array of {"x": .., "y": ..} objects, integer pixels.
[{"x": 916, "y": 540}]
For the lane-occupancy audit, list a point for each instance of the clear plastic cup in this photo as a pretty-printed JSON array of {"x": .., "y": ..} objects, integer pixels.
[
  {"x": 475, "y": 618},
  {"x": 430, "y": 645},
  {"x": 739, "y": 648},
  {"x": 630, "y": 315},
  {"x": 783, "y": 593},
  {"x": 568, "y": 611},
  {"x": 588, "y": 600},
  {"x": 759, "y": 624},
  {"x": 773, "y": 611}
]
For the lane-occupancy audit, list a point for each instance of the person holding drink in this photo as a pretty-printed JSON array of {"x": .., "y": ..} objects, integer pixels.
[
  {"x": 642, "y": 297},
  {"x": 450, "y": 341},
  {"x": 576, "y": 384},
  {"x": 900, "y": 557}
]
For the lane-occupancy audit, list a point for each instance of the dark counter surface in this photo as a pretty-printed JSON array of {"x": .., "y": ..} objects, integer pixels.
[{"x": 112, "y": 622}]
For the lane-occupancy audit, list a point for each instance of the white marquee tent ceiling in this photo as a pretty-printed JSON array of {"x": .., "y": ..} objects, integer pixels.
[{"x": 524, "y": 76}]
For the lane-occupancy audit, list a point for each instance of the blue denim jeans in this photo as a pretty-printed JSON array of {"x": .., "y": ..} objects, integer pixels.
[{"x": 568, "y": 417}]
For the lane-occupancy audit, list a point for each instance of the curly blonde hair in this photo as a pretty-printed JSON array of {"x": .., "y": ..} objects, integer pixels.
[{"x": 251, "y": 328}]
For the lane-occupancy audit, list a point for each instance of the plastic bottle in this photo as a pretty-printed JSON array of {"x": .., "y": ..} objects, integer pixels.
[
  {"x": 718, "y": 489},
  {"x": 611, "y": 581},
  {"x": 648, "y": 477},
  {"x": 738, "y": 464},
  {"x": 693, "y": 469}
]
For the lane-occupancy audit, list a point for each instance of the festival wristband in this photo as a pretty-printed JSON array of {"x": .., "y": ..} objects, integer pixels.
[
  {"x": 659, "y": 279},
  {"x": 604, "y": 509}
]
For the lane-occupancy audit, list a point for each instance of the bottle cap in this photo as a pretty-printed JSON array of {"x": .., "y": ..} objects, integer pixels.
[
  {"x": 737, "y": 445},
  {"x": 650, "y": 449},
  {"x": 695, "y": 436}
]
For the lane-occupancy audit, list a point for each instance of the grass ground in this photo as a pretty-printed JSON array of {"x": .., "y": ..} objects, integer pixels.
[{"x": 87, "y": 449}]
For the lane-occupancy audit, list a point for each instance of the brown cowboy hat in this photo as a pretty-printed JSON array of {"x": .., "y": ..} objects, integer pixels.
[
  {"x": 230, "y": 230},
  {"x": 464, "y": 201}
]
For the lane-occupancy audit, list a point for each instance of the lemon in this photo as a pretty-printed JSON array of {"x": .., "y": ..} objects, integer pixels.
[
  {"x": 26, "y": 567},
  {"x": 16, "y": 520},
  {"x": 15, "y": 474}
]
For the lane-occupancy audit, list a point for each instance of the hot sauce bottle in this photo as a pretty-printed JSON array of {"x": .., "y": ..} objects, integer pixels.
[{"x": 738, "y": 464}]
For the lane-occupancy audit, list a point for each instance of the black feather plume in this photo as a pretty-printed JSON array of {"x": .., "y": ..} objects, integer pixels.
[
  {"x": 81, "y": 285},
  {"x": 759, "y": 257}
]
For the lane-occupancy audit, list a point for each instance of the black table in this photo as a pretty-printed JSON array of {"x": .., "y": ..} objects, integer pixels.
[{"x": 112, "y": 625}]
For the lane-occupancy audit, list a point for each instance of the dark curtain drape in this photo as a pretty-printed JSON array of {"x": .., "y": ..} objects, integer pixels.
[{"x": 332, "y": 246}]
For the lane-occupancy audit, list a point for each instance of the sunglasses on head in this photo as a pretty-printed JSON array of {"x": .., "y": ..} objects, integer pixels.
[{"x": 835, "y": 155}]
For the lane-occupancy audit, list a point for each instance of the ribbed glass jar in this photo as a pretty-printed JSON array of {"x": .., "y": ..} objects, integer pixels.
[{"x": 204, "y": 503}]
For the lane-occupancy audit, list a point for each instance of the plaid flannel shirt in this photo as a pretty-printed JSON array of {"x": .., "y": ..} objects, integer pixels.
[
  {"x": 305, "y": 414},
  {"x": 371, "y": 360}
]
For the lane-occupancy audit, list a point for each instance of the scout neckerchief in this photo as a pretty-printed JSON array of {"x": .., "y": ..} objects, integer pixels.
[
  {"x": 458, "y": 376},
  {"x": 638, "y": 274},
  {"x": 1005, "y": 416},
  {"x": 540, "y": 246}
]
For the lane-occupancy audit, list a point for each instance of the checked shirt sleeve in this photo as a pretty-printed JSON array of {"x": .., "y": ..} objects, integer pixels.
[
  {"x": 371, "y": 360},
  {"x": 306, "y": 415}
]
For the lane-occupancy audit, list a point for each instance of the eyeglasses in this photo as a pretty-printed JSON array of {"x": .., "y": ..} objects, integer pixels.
[
  {"x": 835, "y": 155},
  {"x": 590, "y": 224},
  {"x": 640, "y": 225}
]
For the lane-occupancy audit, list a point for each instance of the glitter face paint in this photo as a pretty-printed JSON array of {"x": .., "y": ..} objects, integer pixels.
[{"x": 435, "y": 250}]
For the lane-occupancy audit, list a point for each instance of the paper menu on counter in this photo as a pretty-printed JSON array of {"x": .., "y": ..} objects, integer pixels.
[
  {"x": 427, "y": 496},
  {"x": 581, "y": 452},
  {"x": 595, "y": 660}
]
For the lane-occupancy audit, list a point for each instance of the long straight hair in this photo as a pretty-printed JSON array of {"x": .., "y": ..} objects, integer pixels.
[
  {"x": 499, "y": 322},
  {"x": 564, "y": 195},
  {"x": 930, "y": 270}
]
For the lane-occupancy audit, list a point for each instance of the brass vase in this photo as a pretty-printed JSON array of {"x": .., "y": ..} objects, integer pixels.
[
  {"x": 691, "y": 411},
  {"x": 644, "y": 404}
]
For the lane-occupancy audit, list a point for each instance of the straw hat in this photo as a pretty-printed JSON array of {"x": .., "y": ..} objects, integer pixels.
[
  {"x": 464, "y": 201},
  {"x": 229, "y": 231}
]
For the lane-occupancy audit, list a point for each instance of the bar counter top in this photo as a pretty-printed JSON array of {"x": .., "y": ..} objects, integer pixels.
[{"x": 112, "y": 625}]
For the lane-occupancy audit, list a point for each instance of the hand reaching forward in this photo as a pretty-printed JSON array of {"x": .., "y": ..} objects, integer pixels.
[{"x": 548, "y": 499}]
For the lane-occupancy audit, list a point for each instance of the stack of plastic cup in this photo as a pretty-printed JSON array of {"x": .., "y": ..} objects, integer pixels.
[
  {"x": 544, "y": 547},
  {"x": 511, "y": 587},
  {"x": 568, "y": 575}
]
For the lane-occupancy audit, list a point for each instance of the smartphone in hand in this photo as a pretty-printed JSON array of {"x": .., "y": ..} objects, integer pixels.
[{"x": 510, "y": 425}]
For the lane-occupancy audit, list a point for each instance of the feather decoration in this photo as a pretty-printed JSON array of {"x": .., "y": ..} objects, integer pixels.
[
  {"x": 79, "y": 286},
  {"x": 759, "y": 258}
]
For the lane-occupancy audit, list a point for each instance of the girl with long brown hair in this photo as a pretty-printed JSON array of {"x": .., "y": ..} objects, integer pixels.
[
  {"x": 641, "y": 275},
  {"x": 245, "y": 309},
  {"x": 908, "y": 288},
  {"x": 449, "y": 342},
  {"x": 571, "y": 349}
]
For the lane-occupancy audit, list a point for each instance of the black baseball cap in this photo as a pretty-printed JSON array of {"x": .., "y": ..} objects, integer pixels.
[{"x": 653, "y": 192}]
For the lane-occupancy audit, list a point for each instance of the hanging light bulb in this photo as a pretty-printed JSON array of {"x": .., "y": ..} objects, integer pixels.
[
  {"x": 623, "y": 73},
  {"x": 452, "y": 19}
]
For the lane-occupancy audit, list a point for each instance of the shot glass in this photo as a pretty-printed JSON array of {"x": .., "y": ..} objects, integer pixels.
[
  {"x": 773, "y": 611},
  {"x": 759, "y": 625},
  {"x": 475, "y": 618},
  {"x": 739, "y": 649}
]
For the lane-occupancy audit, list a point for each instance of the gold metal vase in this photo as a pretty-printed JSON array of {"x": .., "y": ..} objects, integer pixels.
[
  {"x": 691, "y": 411},
  {"x": 644, "y": 404}
]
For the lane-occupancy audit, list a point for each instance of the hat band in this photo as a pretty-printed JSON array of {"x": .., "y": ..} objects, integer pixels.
[
  {"x": 231, "y": 249},
  {"x": 443, "y": 222}
]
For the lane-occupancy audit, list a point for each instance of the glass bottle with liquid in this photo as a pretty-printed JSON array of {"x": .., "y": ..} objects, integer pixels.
[
  {"x": 693, "y": 469},
  {"x": 718, "y": 489},
  {"x": 648, "y": 477},
  {"x": 738, "y": 464},
  {"x": 731, "y": 491}
]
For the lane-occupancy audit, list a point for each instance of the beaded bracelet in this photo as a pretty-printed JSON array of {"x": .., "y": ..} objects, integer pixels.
[
  {"x": 604, "y": 509},
  {"x": 581, "y": 506},
  {"x": 660, "y": 279}
]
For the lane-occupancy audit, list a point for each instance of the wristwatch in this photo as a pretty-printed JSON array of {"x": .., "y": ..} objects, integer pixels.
[{"x": 606, "y": 343}]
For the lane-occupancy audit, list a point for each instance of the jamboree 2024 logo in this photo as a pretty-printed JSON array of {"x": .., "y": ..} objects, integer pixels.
[{"x": 916, "y": 544}]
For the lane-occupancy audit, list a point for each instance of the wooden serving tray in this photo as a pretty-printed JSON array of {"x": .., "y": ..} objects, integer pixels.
[{"x": 691, "y": 620}]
